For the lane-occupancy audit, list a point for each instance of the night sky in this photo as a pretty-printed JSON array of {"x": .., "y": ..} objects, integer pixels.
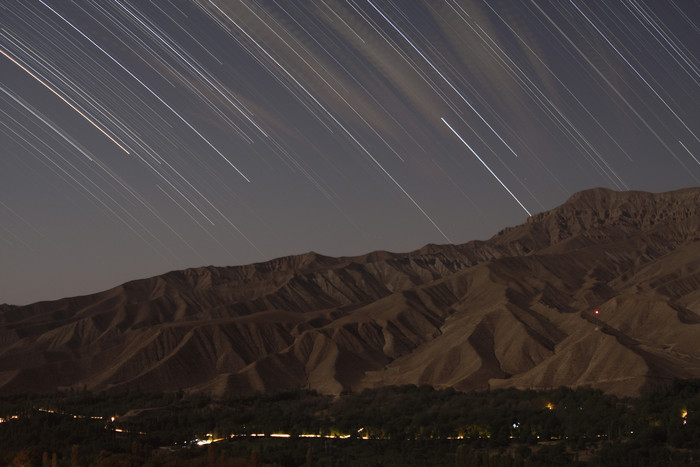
[{"x": 138, "y": 137}]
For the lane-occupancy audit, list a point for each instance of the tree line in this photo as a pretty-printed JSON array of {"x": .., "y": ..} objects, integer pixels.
[{"x": 397, "y": 425}]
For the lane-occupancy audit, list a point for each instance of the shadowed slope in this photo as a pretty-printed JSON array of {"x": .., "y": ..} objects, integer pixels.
[{"x": 516, "y": 310}]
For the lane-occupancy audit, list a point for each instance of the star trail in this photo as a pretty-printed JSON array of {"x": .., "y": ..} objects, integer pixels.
[{"x": 138, "y": 137}]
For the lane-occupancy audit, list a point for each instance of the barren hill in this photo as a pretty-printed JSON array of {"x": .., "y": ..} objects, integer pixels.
[{"x": 516, "y": 310}]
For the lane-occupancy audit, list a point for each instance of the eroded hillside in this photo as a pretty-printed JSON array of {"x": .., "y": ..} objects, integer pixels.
[{"x": 515, "y": 310}]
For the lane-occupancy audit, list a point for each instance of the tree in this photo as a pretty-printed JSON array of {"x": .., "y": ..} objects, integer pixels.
[
  {"x": 255, "y": 460},
  {"x": 461, "y": 456},
  {"x": 22, "y": 459},
  {"x": 211, "y": 455},
  {"x": 309, "y": 457},
  {"x": 75, "y": 455}
]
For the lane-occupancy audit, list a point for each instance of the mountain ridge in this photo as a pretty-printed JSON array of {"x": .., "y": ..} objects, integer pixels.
[{"x": 514, "y": 310}]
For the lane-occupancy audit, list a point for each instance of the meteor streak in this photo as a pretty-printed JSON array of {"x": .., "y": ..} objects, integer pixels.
[{"x": 485, "y": 165}]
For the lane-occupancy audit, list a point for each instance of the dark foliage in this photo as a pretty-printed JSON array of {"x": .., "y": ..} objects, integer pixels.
[{"x": 406, "y": 425}]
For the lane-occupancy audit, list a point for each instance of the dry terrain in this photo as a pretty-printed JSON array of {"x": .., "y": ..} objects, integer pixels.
[{"x": 515, "y": 310}]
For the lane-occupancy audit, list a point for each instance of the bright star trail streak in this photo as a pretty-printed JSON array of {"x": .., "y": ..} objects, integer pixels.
[
  {"x": 486, "y": 165},
  {"x": 343, "y": 128},
  {"x": 688, "y": 150},
  {"x": 149, "y": 90},
  {"x": 64, "y": 100},
  {"x": 142, "y": 137},
  {"x": 466, "y": 101},
  {"x": 619, "y": 94},
  {"x": 635, "y": 70}
]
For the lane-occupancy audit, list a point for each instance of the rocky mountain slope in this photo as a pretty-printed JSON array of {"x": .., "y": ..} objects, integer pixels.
[{"x": 516, "y": 310}]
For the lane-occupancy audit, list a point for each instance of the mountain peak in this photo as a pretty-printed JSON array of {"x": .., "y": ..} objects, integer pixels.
[
  {"x": 515, "y": 310},
  {"x": 591, "y": 212}
]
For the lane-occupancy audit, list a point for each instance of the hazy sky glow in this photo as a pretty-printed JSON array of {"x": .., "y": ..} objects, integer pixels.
[{"x": 138, "y": 137}]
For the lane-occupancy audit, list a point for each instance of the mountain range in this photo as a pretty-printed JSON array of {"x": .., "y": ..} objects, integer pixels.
[{"x": 602, "y": 291}]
